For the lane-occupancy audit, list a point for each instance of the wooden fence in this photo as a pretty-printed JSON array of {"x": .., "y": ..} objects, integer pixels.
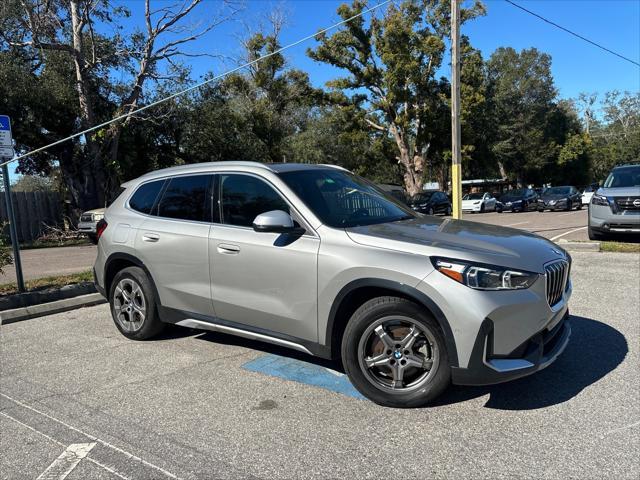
[{"x": 33, "y": 212}]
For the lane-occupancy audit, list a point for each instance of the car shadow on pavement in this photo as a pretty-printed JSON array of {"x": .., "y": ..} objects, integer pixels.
[{"x": 595, "y": 349}]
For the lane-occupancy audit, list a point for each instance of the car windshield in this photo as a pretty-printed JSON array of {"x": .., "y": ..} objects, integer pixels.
[
  {"x": 421, "y": 197},
  {"x": 623, "y": 177},
  {"x": 473, "y": 196},
  {"x": 557, "y": 191},
  {"x": 342, "y": 200}
]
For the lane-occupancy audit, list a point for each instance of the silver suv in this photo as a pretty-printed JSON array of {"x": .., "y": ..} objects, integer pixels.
[
  {"x": 317, "y": 259},
  {"x": 615, "y": 207}
]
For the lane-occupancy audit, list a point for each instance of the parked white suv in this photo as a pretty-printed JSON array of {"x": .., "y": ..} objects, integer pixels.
[{"x": 322, "y": 261}]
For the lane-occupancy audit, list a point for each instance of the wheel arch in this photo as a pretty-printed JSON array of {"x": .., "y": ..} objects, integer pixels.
[
  {"x": 119, "y": 261},
  {"x": 355, "y": 293}
]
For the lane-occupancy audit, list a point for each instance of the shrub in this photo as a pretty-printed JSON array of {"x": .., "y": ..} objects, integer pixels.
[{"x": 5, "y": 250}]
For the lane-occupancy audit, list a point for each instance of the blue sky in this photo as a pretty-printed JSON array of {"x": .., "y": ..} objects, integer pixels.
[{"x": 577, "y": 66}]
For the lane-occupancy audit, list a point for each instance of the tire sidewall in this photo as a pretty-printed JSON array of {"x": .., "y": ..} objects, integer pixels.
[
  {"x": 370, "y": 312},
  {"x": 152, "y": 324}
]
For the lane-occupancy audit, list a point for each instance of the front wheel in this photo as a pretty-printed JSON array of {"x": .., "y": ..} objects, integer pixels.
[
  {"x": 430, "y": 211},
  {"x": 449, "y": 211},
  {"x": 133, "y": 304},
  {"x": 595, "y": 234},
  {"x": 395, "y": 354}
]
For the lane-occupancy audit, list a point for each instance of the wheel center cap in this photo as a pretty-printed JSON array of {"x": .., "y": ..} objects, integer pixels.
[{"x": 397, "y": 354}]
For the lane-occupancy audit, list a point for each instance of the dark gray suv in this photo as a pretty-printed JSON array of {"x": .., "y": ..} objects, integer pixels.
[{"x": 317, "y": 259}]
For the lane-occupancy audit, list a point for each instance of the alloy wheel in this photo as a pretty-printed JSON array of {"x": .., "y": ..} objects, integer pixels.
[
  {"x": 398, "y": 354},
  {"x": 129, "y": 305}
]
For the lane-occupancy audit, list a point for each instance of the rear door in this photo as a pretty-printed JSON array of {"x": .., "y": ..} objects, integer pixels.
[
  {"x": 173, "y": 244},
  {"x": 260, "y": 279}
]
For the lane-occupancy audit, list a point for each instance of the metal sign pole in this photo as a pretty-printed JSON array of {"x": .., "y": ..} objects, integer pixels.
[
  {"x": 12, "y": 228},
  {"x": 6, "y": 153}
]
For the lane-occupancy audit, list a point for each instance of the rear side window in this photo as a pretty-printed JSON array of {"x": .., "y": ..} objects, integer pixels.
[
  {"x": 185, "y": 198},
  {"x": 245, "y": 197},
  {"x": 145, "y": 197}
]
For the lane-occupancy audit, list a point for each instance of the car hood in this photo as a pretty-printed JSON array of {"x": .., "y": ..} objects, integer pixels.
[
  {"x": 95, "y": 210},
  {"x": 555, "y": 196},
  {"x": 620, "y": 192},
  {"x": 461, "y": 239},
  {"x": 510, "y": 198},
  {"x": 472, "y": 201}
]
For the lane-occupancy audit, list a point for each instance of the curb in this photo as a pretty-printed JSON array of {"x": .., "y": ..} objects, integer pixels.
[
  {"x": 580, "y": 246},
  {"x": 34, "y": 311},
  {"x": 28, "y": 299}
]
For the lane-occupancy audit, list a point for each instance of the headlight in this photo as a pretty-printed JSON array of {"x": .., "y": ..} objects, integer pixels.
[
  {"x": 98, "y": 216},
  {"x": 484, "y": 277},
  {"x": 552, "y": 202},
  {"x": 476, "y": 203},
  {"x": 599, "y": 200},
  {"x": 517, "y": 201}
]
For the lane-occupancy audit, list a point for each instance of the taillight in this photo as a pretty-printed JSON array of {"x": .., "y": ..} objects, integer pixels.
[{"x": 101, "y": 226}]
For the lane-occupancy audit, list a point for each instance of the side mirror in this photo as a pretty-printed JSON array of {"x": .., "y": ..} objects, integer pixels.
[{"x": 275, "y": 221}]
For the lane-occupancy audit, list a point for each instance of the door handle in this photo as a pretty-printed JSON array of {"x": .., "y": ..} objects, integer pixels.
[
  {"x": 150, "y": 237},
  {"x": 228, "y": 249}
]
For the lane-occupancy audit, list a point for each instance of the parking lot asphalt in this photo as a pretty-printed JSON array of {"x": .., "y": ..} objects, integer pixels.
[
  {"x": 204, "y": 405},
  {"x": 553, "y": 225},
  {"x": 47, "y": 262}
]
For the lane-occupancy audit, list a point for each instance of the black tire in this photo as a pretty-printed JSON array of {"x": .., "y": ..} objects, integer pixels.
[
  {"x": 482, "y": 208},
  {"x": 498, "y": 210},
  {"x": 579, "y": 207},
  {"x": 429, "y": 384},
  {"x": 595, "y": 234},
  {"x": 525, "y": 207},
  {"x": 449, "y": 211},
  {"x": 93, "y": 238},
  {"x": 541, "y": 210},
  {"x": 150, "y": 325},
  {"x": 430, "y": 211},
  {"x": 569, "y": 206}
]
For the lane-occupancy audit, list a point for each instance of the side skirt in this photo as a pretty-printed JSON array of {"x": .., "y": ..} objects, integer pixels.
[{"x": 213, "y": 324}]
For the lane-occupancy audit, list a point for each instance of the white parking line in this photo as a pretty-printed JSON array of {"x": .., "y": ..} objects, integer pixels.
[
  {"x": 553, "y": 239},
  {"x": 91, "y": 437},
  {"x": 514, "y": 224},
  {"x": 66, "y": 462},
  {"x": 51, "y": 439}
]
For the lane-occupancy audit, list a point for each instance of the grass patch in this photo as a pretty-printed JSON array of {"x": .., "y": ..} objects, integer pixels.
[
  {"x": 620, "y": 247},
  {"x": 48, "y": 282}
]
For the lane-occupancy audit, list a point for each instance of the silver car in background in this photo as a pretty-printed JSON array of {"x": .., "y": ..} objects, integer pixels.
[
  {"x": 317, "y": 259},
  {"x": 615, "y": 207},
  {"x": 89, "y": 221}
]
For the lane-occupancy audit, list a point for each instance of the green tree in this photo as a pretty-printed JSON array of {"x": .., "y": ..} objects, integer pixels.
[{"x": 392, "y": 61}]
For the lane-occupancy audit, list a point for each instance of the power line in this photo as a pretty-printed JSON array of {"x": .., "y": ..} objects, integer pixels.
[
  {"x": 572, "y": 33},
  {"x": 194, "y": 87}
]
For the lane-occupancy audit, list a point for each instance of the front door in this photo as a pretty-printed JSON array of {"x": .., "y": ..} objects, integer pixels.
[{"x": 265, "y": 280}]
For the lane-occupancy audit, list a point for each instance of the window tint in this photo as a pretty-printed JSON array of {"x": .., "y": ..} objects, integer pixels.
[
  {"x": 342, "y": 200},
  {"x": 185, "y": 198},
  {"x": 145, "y": 197},
  {"x": 245, "y": 197}
]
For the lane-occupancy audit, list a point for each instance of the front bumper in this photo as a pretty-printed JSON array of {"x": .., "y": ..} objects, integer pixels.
[
  {"x": 536, "y": 353},
  {"x": 603, "y": 219},
  {"x": 87, "y": 227}
]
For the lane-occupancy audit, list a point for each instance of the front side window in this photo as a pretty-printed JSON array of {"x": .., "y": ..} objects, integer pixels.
[
  {"x": 342, "y": 200},
  {"x": 145, "y": 196},
  {"x": 185, "y": 198},
  {"x": 244, "y": 197}
]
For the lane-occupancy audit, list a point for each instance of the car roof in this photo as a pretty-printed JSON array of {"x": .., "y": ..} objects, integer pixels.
[{"x": 204, "y": 167}]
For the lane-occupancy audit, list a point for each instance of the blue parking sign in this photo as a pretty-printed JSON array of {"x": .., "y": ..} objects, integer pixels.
[{"x": 5, "y": 123}]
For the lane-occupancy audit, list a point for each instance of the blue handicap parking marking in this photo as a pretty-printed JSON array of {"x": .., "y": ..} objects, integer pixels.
[
  {"x": 303, "y": 372},
  {"x": 4, "y": 123}
]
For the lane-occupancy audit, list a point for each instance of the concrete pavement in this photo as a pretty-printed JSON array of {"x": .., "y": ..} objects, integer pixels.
[
  {"x": 47, "y": 262},
  {"x": 183, "y": 406}
]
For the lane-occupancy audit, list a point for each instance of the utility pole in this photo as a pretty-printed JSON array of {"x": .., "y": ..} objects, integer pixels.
[{"x": 456, "y": 167}]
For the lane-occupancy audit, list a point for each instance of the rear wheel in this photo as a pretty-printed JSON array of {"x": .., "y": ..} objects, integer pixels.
[
  {"x": 394, "y": 353},
  {"x": 133, "y": 304}
]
